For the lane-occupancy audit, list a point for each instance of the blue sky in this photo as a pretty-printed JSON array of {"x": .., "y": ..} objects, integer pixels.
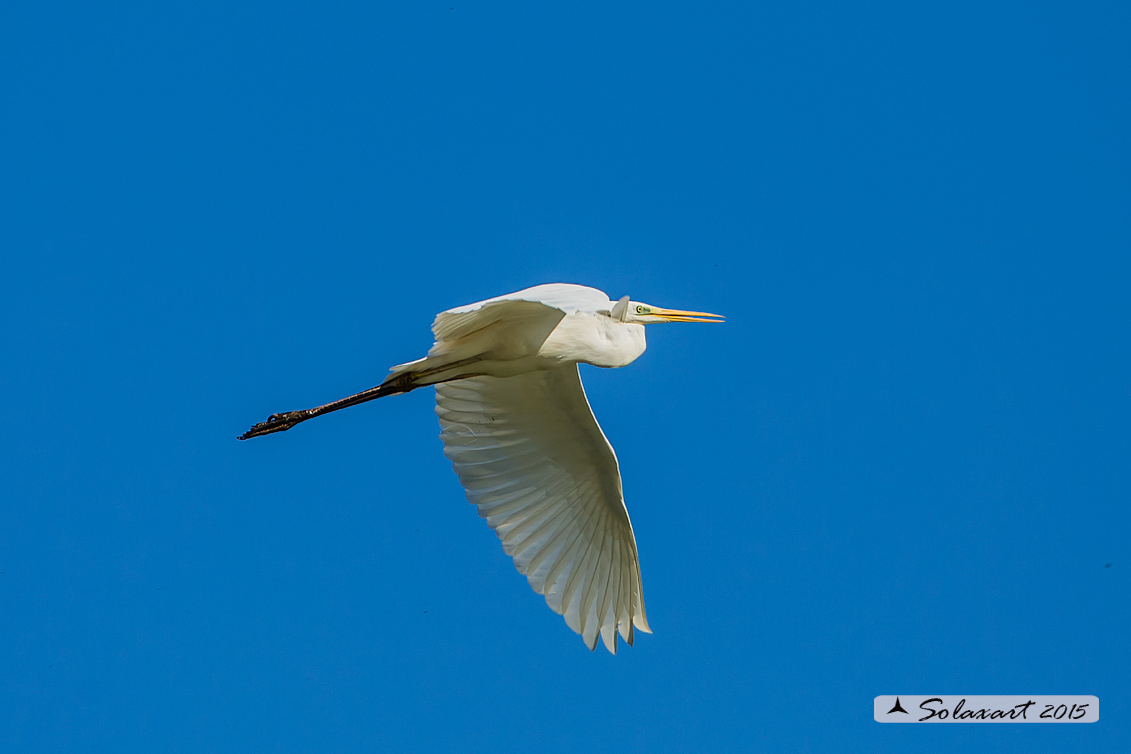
[{"x": 900, "y": 467}]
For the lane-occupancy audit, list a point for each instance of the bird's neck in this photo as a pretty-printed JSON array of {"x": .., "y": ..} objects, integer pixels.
[{"x": 597, "y": 340}]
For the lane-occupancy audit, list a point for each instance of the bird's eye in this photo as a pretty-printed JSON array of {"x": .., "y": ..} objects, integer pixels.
[{"x": 640, "y": 310}]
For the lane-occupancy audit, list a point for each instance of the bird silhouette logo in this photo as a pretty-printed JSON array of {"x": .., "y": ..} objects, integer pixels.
[{"x": 898, "y": 708}]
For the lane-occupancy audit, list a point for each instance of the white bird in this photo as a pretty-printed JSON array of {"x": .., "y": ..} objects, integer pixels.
[{"x": 518, "y": 429}]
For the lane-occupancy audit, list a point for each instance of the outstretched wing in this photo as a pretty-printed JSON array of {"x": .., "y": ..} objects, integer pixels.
[
  {"x": 531, "y": 456},
  {"x": 550, "y": 302}
]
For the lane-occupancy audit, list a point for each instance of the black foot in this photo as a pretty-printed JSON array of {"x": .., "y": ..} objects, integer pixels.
[{"x": 276, "y": 423}]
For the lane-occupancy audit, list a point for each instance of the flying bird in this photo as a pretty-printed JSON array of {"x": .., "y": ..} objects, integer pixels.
[{"x": 519, "y": 432}]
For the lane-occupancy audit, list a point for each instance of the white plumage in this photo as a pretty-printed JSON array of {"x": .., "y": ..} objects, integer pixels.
[
  {"x": 520, "y": 434},
  {"x": 530, "y": 455}
]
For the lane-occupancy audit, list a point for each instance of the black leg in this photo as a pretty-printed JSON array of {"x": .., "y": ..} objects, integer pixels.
[{"x": 402, "y": 383}]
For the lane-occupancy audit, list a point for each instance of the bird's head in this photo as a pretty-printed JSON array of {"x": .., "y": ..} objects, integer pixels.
[{"x": 646, "y": 314}]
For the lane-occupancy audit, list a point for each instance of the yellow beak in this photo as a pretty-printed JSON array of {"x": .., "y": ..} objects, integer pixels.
[{"x": 678, "y": 315}]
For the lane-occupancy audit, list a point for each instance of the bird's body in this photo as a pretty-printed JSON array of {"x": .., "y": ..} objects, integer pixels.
[
  {"x": 518, "y": 333},
  {"x": 520, "y": 434}
]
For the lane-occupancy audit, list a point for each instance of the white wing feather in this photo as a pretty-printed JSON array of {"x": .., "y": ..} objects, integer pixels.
[
  {"x": 532, "y": 458},
  {"x": 565, "y": 297}
]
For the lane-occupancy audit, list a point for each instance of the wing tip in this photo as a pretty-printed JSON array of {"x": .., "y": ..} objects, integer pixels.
[{"x": 609, "y": 637}]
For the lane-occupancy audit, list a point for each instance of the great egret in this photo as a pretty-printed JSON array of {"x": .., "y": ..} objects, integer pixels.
[{"x": 519, "y": 431}]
